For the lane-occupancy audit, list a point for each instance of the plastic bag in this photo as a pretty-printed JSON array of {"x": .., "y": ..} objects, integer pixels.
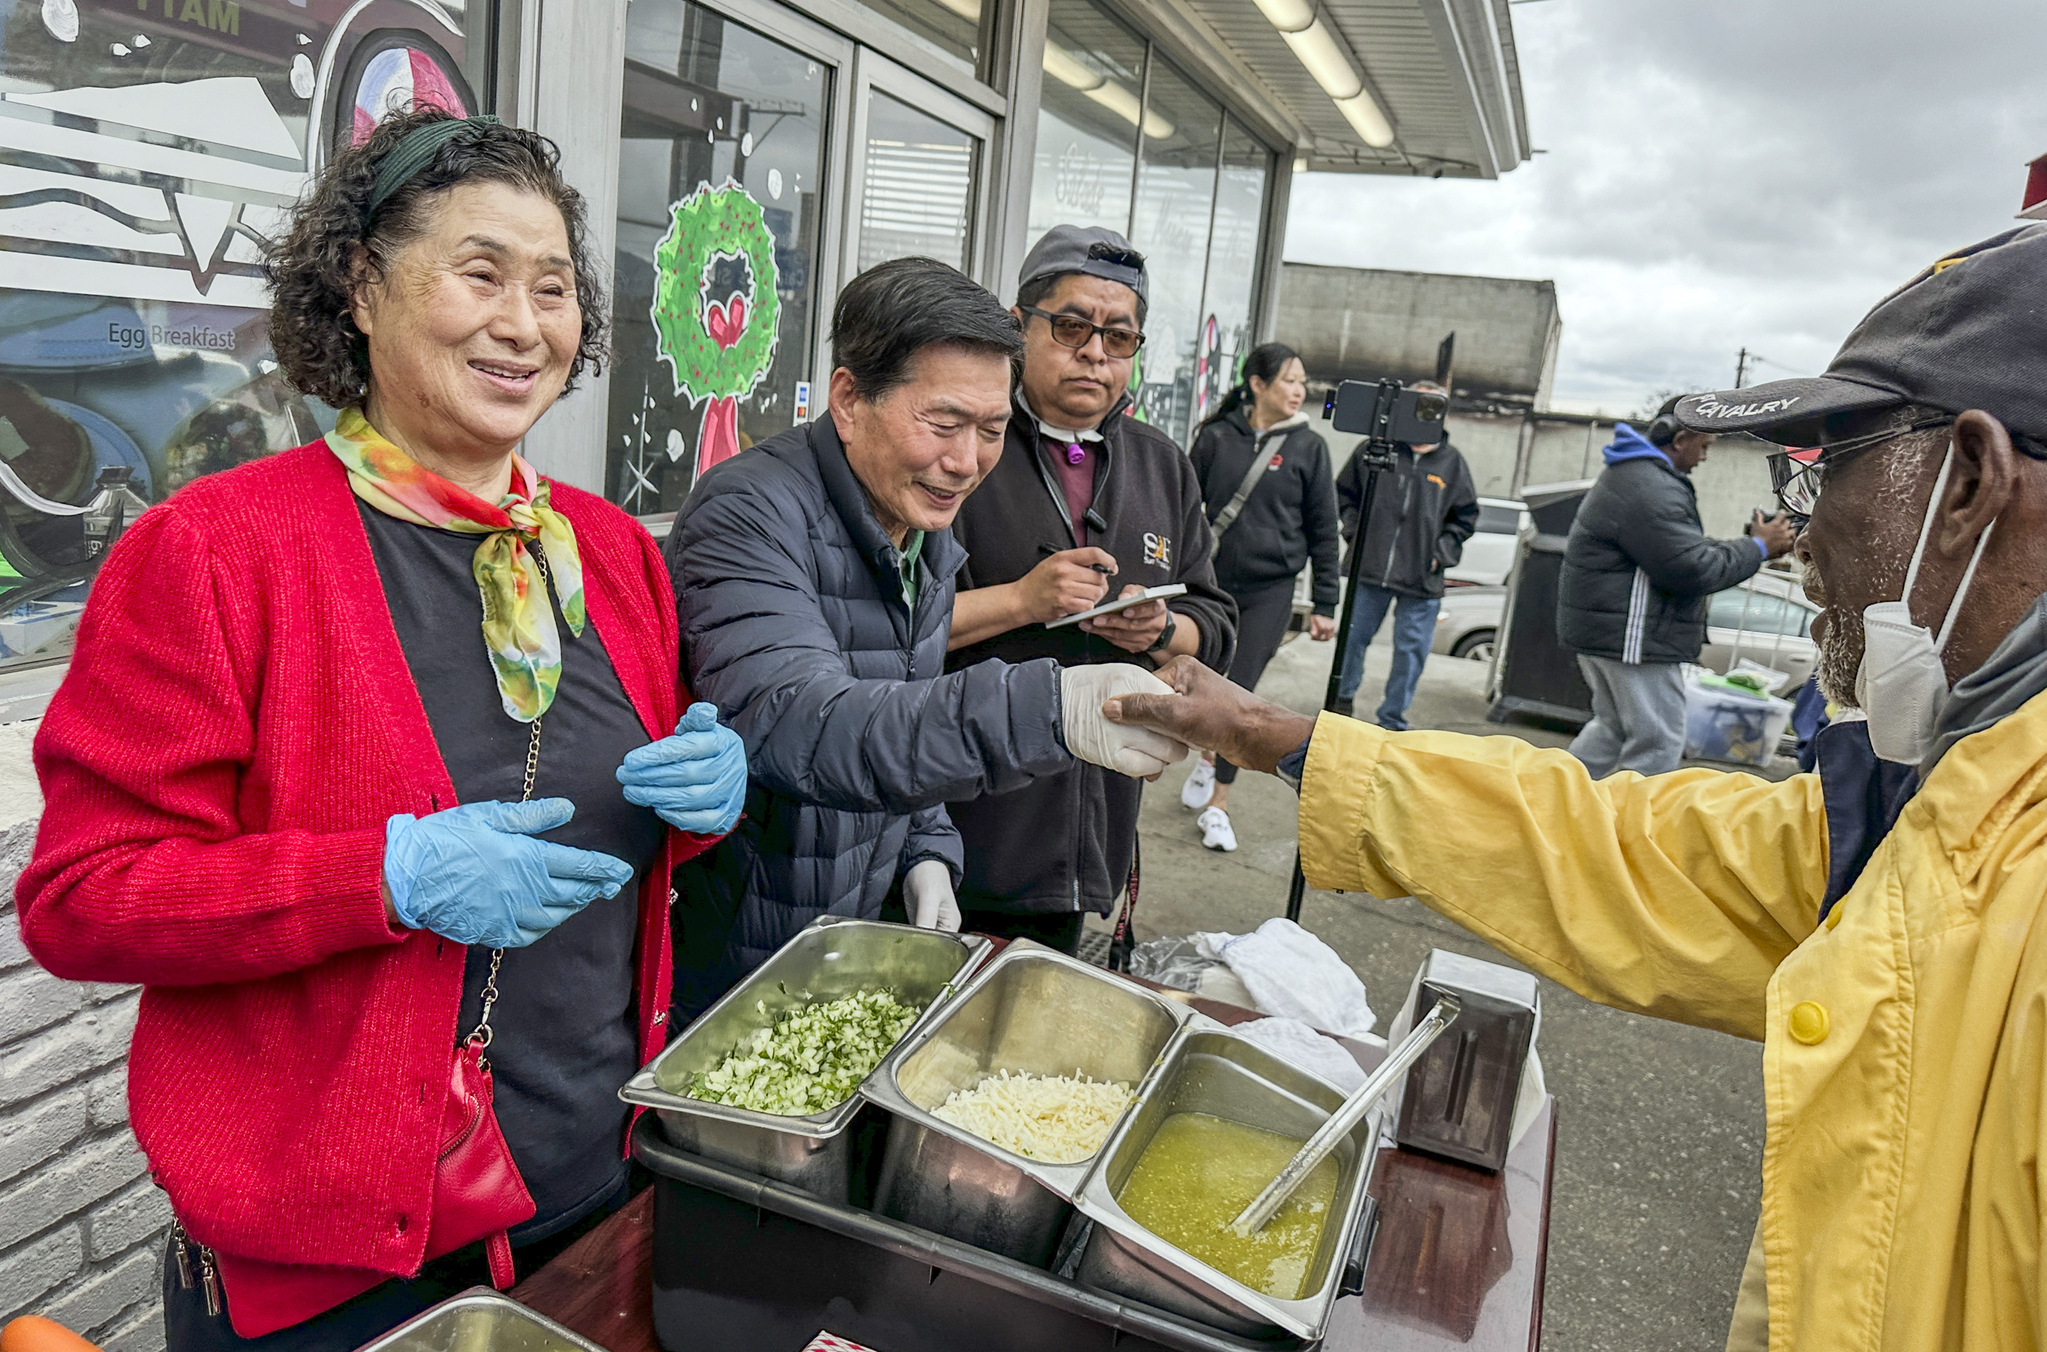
[
  {"x": 1299, "y": 1045},
  {"x": 1170, "y": 961},
  {"x": 1291, "y": 973}
]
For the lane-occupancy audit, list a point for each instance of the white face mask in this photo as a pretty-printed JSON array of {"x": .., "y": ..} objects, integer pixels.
[{"x": 1901, "y": 683}]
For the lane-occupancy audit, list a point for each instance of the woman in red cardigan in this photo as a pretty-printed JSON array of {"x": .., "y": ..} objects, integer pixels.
[{"x": 363, "y": 769}]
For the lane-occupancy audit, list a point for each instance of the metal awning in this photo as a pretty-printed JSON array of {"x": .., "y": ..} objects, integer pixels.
[{"x": 1444, "y": 74}]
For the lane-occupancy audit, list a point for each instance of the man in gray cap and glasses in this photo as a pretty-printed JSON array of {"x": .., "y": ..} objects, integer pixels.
[
  {"x": 1877, "y": 926},
  {"x": 1086, "y": 504}
]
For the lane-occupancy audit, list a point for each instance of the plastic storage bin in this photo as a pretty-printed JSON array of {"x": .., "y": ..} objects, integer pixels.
[{"x": 1726, "y": 724}]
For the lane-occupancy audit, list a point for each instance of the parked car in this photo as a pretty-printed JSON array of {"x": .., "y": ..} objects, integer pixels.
[
  {"x": 1469, "y": 621},
  {"x": 1489, "y": 553},
  {"x": 1765, "y": 619}
]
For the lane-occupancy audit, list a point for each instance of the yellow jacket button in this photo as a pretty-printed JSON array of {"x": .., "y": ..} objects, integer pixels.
[{"x": 1809, "y": 1022}]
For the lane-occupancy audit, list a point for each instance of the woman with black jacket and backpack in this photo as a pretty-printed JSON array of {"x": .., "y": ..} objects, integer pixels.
[{"x": 1271, "y": 500}]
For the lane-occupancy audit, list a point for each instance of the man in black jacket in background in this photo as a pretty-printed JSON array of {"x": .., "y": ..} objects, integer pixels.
[
  {"x": 1638, "y": 568},
  {"x": 1085, "y": 502},
  {"x": 1424, "y": 511}
]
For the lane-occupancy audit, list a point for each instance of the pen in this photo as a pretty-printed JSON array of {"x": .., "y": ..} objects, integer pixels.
[{"x": 1102, "y": 568}]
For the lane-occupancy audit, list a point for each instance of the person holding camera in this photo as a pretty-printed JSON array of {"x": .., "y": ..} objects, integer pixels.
[
  {"x": 1271, "y": 502},
  {"x": 1638, "y": 568},
  {"x": 1424, "y": 511}
]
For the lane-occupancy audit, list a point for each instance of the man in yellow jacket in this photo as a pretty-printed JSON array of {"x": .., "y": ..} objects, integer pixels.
[{"x": 1877, "y": 925}]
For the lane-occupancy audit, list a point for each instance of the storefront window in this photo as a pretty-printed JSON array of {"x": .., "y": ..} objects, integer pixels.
[
  {"x": 1225, "y": 337},
  {"x": 918, "y": 196},
  {"x": 721, "y": 173},
  {"x": 1087, "y": 126},
  {"x": 1176, "y": 175},
  {"x": 147, "y": 152},
  {"x": 952, "y": 25}
]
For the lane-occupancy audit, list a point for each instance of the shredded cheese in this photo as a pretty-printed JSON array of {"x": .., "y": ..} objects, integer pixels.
[{"x": 1060, "y": 1119}]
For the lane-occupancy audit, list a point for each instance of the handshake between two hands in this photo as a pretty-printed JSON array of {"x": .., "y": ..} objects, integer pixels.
[{"x": 1127, "y": 719}]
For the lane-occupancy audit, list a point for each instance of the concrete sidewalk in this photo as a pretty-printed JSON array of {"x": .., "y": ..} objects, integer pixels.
[{"x": 1660, "y": 1127}]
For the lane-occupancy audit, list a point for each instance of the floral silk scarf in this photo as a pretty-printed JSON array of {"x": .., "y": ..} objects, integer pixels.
[{"x": 518, "y": 623}]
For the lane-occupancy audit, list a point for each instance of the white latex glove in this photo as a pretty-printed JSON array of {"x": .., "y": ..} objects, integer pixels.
[
  {"x": 927, "y": 893},
  {"x": 1137, "y": 752}
]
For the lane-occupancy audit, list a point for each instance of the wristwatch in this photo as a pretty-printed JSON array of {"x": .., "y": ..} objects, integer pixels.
[{"x": 1165, "y": 634}]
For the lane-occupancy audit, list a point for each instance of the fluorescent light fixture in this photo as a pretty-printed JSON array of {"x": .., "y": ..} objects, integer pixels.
[
  {"x": 1319, "y": 51},
  {"x": 1365, "y": 118},
  {"x": 1062, "y": 66},
  {"x": 970, "y": 10},
  {"x": 1300, "y": 164},
  {"x": 1288, "y": 16}
]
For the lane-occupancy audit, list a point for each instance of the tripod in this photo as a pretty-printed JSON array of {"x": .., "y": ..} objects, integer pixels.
[{"x": 1376, "y": 456}]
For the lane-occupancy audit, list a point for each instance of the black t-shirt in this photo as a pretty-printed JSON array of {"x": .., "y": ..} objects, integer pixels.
[{"x": 564, "y": 1035}]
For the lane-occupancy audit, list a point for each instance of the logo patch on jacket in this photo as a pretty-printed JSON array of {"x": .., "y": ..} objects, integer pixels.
[
  {"x": 1277, "y": 461},
  {"x": 1158, "y": 550},
  {"x": 1438, "y": 482}
]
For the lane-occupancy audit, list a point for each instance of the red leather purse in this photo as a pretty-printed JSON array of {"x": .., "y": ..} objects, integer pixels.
[{"x": 478, "y": 1193}]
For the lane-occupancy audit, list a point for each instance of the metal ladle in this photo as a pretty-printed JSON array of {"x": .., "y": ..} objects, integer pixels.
[{"x": 1253, "y": 1217}]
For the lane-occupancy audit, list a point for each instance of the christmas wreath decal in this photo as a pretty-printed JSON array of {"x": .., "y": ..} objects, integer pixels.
[{"x": 715, "y": 309}]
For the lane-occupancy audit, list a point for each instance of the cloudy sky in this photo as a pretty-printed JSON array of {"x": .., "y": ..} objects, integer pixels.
[{"x": 1738, "y": 173}]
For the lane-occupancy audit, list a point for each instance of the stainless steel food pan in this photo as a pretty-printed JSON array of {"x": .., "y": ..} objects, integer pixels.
[
  {"x": 1216, "y": 1072},
  {"x": 828, "y": 958},
  {"x": 1034, "y": 1010},
  {"x": 480, "y": 1320}
]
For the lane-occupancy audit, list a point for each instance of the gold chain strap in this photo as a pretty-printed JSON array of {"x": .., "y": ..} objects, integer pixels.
[{"x": 480, "y": 1036}]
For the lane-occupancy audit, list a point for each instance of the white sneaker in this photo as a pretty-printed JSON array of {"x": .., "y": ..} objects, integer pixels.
[
  {"x": 1216, "y": 832},
  {"x": 1200, "y": 785}
]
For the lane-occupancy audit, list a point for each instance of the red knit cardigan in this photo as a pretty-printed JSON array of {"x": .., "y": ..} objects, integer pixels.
[{"x": 217, "y": 768}]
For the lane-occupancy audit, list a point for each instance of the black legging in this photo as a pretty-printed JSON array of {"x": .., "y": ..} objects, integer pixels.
[{"x": 1262, "y": 618}]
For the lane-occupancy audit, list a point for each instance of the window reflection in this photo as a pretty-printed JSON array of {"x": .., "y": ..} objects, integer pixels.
[
  {"x": 1225, "y": 337},
  {"x": 919, "y": 192},
  {"x": 1170, "y": 223},
  {"x": 146, "y": 154},
  {"x": 719, "y": 214},
  {"x": 954, "y": 26},
  {"x": 1087, "y": 126}
]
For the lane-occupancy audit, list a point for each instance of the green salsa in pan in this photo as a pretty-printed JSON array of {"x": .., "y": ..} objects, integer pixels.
[{"x": 1199, "y": 1172}]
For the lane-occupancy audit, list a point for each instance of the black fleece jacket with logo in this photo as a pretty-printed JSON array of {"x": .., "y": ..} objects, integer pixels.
[
  {"x": 1424, "y": 511},
  {"x": 1066, "y": 842},
  {"x": 1290, "y": 516}
]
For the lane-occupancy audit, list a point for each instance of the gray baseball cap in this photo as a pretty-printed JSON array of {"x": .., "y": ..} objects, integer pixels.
[
  {"x": 1968, "y": 332},
  {"x": 1088, "y": 249}
]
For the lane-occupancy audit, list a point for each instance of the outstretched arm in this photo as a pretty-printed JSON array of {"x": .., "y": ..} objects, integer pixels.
[
  {"x": 1675, "y": 895},
  {"x": 760, "y": 648}
]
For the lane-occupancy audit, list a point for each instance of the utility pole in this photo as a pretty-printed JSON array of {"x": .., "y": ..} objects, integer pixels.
[{"x": 1740, "y": 368}]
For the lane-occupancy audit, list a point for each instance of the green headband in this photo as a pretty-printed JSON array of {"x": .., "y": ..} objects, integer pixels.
[{"x": 413, "y": 154}]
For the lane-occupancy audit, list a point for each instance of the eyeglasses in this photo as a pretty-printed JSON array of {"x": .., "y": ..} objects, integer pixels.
[
  {"x": 1074, "y": 332},
  {"x": 1797, "y": 476}
]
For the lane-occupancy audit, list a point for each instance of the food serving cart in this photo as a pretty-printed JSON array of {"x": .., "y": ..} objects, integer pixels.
[{"x": 1457, "y": 1261}]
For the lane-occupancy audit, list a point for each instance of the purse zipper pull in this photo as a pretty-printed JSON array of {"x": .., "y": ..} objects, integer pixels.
[
  {"x": 182, "y": 1252},
  {"x": 209, "y": 1279}
]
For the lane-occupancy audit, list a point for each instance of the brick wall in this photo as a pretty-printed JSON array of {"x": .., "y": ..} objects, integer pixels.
[{"x": 81, "y": 1225}]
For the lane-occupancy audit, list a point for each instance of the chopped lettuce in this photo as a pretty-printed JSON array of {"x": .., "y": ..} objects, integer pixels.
[{"x": 811, "y": 1058}]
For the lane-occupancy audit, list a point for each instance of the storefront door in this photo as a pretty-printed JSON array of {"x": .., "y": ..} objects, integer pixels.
[{"x": 918, "y": 179}]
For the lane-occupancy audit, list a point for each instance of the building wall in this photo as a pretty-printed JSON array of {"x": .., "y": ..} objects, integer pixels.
[
  {"x": 1731, "y": 484},
  {"x": 1369, "y": 323},
  {"x": 81, "y": 1224}
]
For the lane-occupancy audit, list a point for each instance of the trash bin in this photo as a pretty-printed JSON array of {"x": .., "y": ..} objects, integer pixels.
[{"x": 1533, "y": 673}]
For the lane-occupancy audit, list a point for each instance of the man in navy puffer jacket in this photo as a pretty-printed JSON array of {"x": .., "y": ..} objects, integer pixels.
[
  {"x": 1632, "y": 601},
  {"x": 814, "y": 579}
]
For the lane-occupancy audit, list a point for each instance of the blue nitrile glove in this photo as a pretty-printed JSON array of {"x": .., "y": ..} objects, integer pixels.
[
  {"x": 476, "y": 875},
  {"x": 696, "y": 779}
]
